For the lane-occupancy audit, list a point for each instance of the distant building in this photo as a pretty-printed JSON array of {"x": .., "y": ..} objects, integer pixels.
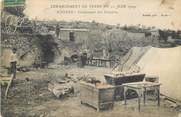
[
  {"x": 74, "y": 35},
  {"x": 154, "y": 33},
  {"x": 135, "y": 36}
]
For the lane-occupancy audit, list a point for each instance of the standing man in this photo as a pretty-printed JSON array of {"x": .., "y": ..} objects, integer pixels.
[
  {"x": 13, "y": 62},
  {"x": 84, "y": 58},
  {"x": 57, "y": 30}
]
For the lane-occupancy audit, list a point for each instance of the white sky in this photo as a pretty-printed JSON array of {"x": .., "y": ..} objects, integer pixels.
[{"x": 41, "y": 9}]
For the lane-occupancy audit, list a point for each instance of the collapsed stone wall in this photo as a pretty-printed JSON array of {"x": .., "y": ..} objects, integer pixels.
[
  {"x": 31, "y": 49},
  {"x": 49, "y": 47},
  {"x": 24, "y": 46}
]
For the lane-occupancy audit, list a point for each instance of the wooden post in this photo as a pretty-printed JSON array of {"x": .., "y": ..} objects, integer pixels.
[
  {"x": 139, "y": 99},
  {"x": 98, "y": 105},
  {"x": 9, "y": 84},
  {"x": 125, "y": 89},
  {"x": 144, "y": 95},
  {"x": 139, "y": 102},
  {"x": 158, "y": 95}
]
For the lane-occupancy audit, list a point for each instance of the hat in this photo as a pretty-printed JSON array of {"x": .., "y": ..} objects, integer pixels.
[{"x": 14, "y": 49}]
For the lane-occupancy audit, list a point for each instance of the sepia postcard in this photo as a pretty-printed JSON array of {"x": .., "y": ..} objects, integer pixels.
[{"x": 90, "y": 58}]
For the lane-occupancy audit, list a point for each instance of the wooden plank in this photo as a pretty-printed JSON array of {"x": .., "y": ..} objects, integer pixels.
[{"x": 9, "y": 84}]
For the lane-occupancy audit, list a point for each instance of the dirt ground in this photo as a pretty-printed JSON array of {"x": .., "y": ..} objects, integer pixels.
[{"x": 29, "y": 97}]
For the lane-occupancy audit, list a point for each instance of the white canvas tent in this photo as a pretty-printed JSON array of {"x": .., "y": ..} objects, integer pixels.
[
  {"x": 162, "y": 62},
  {"x": 166, "y": 64}
]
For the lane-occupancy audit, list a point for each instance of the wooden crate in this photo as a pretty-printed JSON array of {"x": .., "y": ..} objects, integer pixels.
[
  {"x": 118, "y": 80},
  {"x": 99, "y": 97}
]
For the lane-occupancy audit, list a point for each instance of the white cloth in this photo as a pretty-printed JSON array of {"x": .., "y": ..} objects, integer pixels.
[{"x": 13, "y": 58}]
